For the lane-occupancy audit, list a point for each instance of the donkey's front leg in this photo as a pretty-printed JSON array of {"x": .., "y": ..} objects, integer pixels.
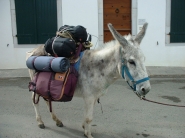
[
  {"x": 54, "y": 117},
  {"x": 89, "y": 107},
  {"x": 36, "y": 107}
]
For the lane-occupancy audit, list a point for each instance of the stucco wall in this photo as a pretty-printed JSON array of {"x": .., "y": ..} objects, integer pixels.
[
  {"x": 85, "y": 13},
  {"x": 72, "y": 13},
  {"x": 11, "y": 57},
  {"x": 161, "y": 54}
]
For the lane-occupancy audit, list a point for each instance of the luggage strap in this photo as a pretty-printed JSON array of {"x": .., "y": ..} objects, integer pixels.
[
  {"x": 47, "y": 99},
  {"x": 55, "y": 54}
]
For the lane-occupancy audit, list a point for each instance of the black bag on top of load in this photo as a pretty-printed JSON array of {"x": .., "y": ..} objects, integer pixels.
[
  {"x": 60, "y": 47},
  {"x": 78, "y": 33}
]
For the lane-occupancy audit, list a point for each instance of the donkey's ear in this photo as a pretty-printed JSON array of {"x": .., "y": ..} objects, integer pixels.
[
  {"x": 141, "y": 34},
  {"x": 117, "y": 35}
]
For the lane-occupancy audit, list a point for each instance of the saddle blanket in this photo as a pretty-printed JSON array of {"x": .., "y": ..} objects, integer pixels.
[{"x": 77, "y": 64}]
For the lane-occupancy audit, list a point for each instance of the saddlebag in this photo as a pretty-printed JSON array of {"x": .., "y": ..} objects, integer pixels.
[{"x": 54, "y": 86}]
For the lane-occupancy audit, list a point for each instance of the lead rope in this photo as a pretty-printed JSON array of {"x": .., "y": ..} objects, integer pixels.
[
  {"x": 100, "y": 104},
  {"x": 161, "y": 103}
]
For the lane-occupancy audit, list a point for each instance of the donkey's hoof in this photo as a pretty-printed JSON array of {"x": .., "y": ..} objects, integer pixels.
[
  {"x": 59, "y": 124},
  {"x": 42, "y": 126},
  {"x": 88, "y": 136},
  {"x": 83, "y": 127}
]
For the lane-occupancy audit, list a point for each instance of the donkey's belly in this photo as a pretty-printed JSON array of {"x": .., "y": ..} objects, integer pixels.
[{"x": 78, "y": 92}]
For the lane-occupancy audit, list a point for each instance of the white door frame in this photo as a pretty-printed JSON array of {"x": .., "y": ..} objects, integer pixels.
[{"x": 100, "y": 20}]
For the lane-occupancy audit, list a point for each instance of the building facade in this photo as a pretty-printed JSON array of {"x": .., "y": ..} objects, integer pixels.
[{"x": 26, "y": 27}]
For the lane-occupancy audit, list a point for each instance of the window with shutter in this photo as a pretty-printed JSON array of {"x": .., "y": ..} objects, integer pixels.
[
  {"x": 36, "y": 20},
  {"x": 177, "y": 32}
]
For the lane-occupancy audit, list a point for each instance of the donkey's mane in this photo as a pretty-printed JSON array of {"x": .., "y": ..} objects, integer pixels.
[{"x": 129, "y": 38}]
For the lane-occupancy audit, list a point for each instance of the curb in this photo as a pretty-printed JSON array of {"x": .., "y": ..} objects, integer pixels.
[
  {"x": 14, "y": 73},
  {"x": 152, "y": 72},
  {"x": 167, "y": 76}
]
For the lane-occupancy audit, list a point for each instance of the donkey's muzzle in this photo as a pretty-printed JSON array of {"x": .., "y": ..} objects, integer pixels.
[{"x": 144, "y": 90}]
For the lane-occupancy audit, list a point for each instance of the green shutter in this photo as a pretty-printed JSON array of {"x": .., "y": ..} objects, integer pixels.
[
  {"x": 177, "y": 33},
  {"x": 46, "y": 19},
  {"x": 25, "y": 20},
  {"x": 36, "y": 20}
]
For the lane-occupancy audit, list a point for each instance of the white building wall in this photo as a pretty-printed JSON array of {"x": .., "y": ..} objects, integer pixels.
[
  {"x": 10, "y": 57},
  {"x": 161, "y": 54},
  {"x": 83, "y": 12}
]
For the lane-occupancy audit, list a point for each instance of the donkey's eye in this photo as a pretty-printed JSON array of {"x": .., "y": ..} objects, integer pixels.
[{"x": 132, "y": 62}]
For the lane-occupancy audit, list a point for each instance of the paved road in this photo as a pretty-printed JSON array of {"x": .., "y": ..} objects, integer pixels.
[{"x": 124, "y": 115}]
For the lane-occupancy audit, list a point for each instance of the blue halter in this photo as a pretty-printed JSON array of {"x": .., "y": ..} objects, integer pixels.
[{"x": 124, "y": 68}]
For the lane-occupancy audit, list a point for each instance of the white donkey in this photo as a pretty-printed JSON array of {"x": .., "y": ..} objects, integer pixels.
[{"x": 99, "y": 68}]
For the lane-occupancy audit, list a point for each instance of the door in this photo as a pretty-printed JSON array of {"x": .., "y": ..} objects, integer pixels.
[{"x": 118, "y": 13}]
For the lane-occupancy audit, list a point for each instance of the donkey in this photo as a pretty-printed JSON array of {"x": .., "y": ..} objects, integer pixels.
[{"x": 99, "y": 68}]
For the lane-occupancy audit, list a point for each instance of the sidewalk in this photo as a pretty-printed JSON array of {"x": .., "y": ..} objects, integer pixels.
[
  {"x": 153, "y": 72},
  {"x": 166, "y": 72}
]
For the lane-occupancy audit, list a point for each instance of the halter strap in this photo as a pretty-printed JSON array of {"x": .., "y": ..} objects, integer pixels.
[
  {"x": 142, "y": 80},
  {"x": 134, "y": 83}
]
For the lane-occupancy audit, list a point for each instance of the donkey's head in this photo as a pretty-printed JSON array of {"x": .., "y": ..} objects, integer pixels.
[{"x": 132, "y": 60}]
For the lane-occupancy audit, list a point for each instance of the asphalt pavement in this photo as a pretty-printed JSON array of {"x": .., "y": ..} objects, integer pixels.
[{"x": 124, "y": 114}]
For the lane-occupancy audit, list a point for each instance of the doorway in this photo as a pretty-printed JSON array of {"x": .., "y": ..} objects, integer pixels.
[{"x": 118, "y": 13}]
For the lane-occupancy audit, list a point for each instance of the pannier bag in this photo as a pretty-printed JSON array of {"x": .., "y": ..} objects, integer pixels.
[
  {"x": 60, "y": 47},
  {"x": 55, "y": 86},
  {"x": 48, "y": 63},
  {"x": 78, "y": 33}
]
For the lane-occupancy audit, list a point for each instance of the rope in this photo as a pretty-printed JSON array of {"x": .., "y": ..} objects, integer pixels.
[
  {"x": 162, "y": 103},
  {"x": 65, "y": 34}
]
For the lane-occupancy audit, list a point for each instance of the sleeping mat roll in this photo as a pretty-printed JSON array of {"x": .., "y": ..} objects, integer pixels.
[{"x": 47, "y": 63}]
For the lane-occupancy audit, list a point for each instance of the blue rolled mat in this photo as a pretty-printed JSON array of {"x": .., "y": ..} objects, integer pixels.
[
  {"x": 42, "y": 63},
  {"x": 60, "y": 64},
  {"x": 47, "y": 63},
  {"x": 29, "y": 62}
]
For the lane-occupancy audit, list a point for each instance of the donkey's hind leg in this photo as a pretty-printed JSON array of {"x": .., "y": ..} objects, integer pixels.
[
  {"x": 54, "y": 117},
  {"x": 89, "y": 107},
  {"x": 36, "y": 107}
]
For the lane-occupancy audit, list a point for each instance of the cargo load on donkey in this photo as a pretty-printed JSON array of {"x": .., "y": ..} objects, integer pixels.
[
  {"x": 55, "y": 78},
  {"x": 66, "y": 41}
]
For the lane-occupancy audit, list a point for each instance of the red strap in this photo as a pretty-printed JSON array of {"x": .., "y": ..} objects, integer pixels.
[
  {"x": 78, "y": 51},
  {"x": 55, "y": 55},
  {"x": 50, "y": 105},
  {"x": 35, "y": 102},
  {"x": 33, "y": 63},
  {"x": 50, "y": 99}
]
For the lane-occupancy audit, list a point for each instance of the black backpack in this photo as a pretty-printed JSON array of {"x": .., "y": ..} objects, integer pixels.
[
  {"x": 78, "y": 33},
  {"x": 60, "y": 47},
  {"x": 63, "y": 45}
]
